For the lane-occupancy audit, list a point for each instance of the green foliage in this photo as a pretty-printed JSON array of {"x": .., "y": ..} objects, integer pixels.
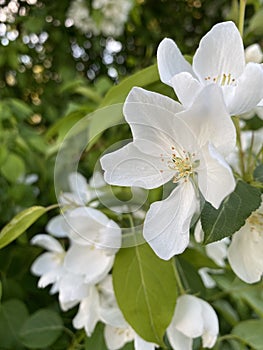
[
  {"x": 145, "y": 288},
  {"x": 41, "y": 329},
  {"x": 13, "y": 167},
  {"x": 232, "y": 213},
  {"x": 117, "y": 94},
  {"x": 13, "y": 313},
  {"x": 19, "y": 224},
  {"x": 255, "y": 24},
  {"x": 258, "y": 173},
  {"x": 250, "y": 332}
]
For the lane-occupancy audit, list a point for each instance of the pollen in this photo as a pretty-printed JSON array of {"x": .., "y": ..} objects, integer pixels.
[
  {"x": 223, "y": 79},
  {"x": 182, "y": 166}
]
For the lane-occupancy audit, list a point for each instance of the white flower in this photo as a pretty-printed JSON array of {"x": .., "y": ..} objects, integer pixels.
[
  {"x": 90, "y": 227},
  {"x": 172, "y": 144},
  {"x": 48, "y": 265},
  {"x": 88, "y": 313},
  {"x": 82, "y": 192},
  {"x": 253, "y": 53},
  {"x": 193, "y": 318},
  {"x": 245, "y": 253},
  {"x": 80, "y": 14},
  {"x": 220, "y": 59}
]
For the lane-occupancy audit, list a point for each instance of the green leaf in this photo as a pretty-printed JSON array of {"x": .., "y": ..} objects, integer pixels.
[
  {"x": 96, "y": 341},
  {"x": 41, "y": 329},
  {"x": 19, "y": 224},
  {"x": 13, "y": 167},
  {"x": 1, "y": 291},
  {"x": 145, "y": 288},
  {"x": 118, "y": 94},
  {"x": 190, "y": 277},
  {"x": 251, "y": 333},
  {"x": 258, "y": 173},
  {"x": 13, "y": 313},
  {"x": 198, "y": 258},
  {"x": 232, "y": 213},
  {"x": 227, "y": 311}
]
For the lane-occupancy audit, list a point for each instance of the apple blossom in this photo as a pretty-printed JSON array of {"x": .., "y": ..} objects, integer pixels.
[
  {"x": 220, "y": 60},
  {"x": 245, "y": 251},
  {"x": 182, "y": 146},
  {"x": 193, "y": 317}
]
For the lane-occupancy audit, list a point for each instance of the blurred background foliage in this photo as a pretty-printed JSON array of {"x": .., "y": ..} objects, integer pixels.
[{"x": 52, "y": 74}]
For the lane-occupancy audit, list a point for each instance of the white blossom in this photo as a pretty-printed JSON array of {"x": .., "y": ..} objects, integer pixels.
[
  {"x": 193, "y": 318},
  {"x": 220, "y": 60},
  {"x": 172, "y": 144},
  {"x": 245, "y": 251}
]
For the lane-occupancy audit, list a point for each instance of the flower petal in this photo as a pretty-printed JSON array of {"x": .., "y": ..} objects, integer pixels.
[
  {"x": 88, "y": 313},
  {"x": 141, "y": 344},
  {"x": 167, "y": 223},
  {"x": 178, "y": 340},
  {"x": 170, "y": 61},
  {"x": 186, "y": 88},
  {"x": 48, "y": 266},
  {"x": 215, "y": 177},
  {"x": 210, "y": 121},
  {"x": 78, "y": 184},
  {"x": 47, "y": 242},
  {"x": 91, "y": 227},
  {"x": 89, "y": 262},
  {"x": 129, "y": 166},
  {"x": 245, "y": 253},
  {"x": 57, "y": 226},
  {"x": 220, "y": 52},
  {"x": 194, "y": 317},
  {"x": 211, "y": 326},
  {"x": 249, "y": 90},
  {"x": 217, "y": 251},
  {"x": 72, "y": 290},
  {"x": 253, "y": 53},
  {"x": 155, "y": 124},
  {"x": 188, "y": 316},
  {"x": 115, "y": 338}
]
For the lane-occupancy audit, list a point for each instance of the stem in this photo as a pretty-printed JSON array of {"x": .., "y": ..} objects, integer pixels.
[
  {"x": 178, "y": 279},
  {"x": 239, "y": 145},
  {"x": 242, "y": 9}
]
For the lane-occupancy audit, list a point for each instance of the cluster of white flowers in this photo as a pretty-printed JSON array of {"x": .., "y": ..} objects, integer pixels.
[
  {"x": 80, "y": 274},
  {"x": 107, "y": 17},
  {"x": 188, "y": 144}
]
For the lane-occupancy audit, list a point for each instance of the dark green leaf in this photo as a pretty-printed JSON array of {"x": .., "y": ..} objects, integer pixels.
[
  {"x": 251, "y": 333},
  {"x": 227, "y": 311},
  {"x": 19, "y": 224},
  {"x": 258, "y": 173},
  {"x": 190, "y": 277},
  {"x": 13, "y": 313},
  {"x": 41, "y": 329},
  {"x": 198, "y": 259},
  {"x": 232, "y": 213},
  {"x": 145, "y": 289}
]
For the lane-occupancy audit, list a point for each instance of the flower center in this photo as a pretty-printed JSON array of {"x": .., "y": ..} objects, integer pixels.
[
  {"x": 223, "y": 79},
  {"x": 183, "y": 167},
  {"x": 183, "y": 164}
]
